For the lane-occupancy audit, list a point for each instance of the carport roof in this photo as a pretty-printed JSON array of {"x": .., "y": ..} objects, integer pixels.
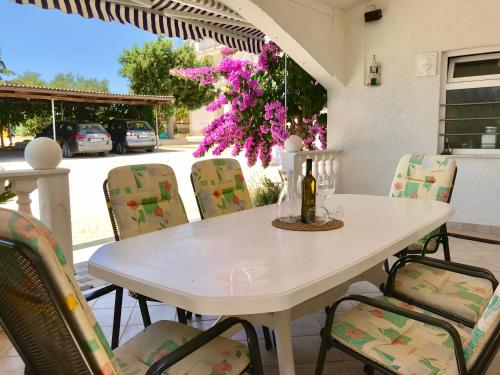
[{"x": 44, "y": 93}]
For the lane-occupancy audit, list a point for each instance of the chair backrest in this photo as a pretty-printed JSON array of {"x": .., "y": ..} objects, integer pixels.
[
  {"x": 143, "y": 198},
  {"x": 219, "y": 187},
  {"x": 421, "y": 176},
  {"x": 42, "y": 309},
  {"x": 485, "y": 335}
]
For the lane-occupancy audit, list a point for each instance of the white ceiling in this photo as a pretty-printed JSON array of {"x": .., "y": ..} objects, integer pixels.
[{"x": 342, "y": 4}]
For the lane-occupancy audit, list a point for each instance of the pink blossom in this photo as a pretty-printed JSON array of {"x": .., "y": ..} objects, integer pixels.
[{"x": 255, "y": 123}]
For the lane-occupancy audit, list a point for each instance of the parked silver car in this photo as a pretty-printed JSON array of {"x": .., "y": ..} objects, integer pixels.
[
  {"x": 131, "y": 134},
  {"x": 86, "y": 138}
]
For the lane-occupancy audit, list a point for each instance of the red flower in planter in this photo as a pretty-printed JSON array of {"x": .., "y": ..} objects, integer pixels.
[
  {"x": 377, "y": 313},
  {"x": 167, "y": 186},
  {"x": 236, "y": 200},
  {"x": 414, "y": 196},
  {"x": 222, "y": 367},
  {"x": 133, "y": 204},
  {"x": 217, "y": 194},
  {"x": 158, "y": 211}
]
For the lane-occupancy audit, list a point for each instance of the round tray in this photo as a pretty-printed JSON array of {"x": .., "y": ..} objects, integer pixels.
[{"x": 299, "y": 226}]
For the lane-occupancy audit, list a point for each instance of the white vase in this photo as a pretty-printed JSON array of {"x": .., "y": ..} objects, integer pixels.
[
  {"x": 293, "y": 143},
  {"x": 43, "y": 153}
]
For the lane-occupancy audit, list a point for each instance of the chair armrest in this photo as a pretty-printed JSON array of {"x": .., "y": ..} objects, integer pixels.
[
  {"x": 460, "y": 268},
  {"x": 456, "y": 235},
  {"x": 476, "y": 239},
  {"x": 449, "y": 328},
  {"x": 100, "y": 292},
  {"x": 203, "y": 338}
]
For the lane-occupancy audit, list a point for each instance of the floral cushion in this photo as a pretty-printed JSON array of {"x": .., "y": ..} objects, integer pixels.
[
  {"x": 461, "y": 295},
  {"x": 484, "y": 329},
  {"x": 420, "y": 176},
  {"x": 219, "y": 187},
  {"x": 398, "y": 343},
  {"x": 145, "y": 198},
  {"x": 23, "y": 228},
  {"x": 219, "y": 357}
]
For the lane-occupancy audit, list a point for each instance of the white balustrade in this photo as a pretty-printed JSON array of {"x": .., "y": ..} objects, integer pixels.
[
  {"x": 325, "y": 162},
  {"x": 53, "y": 200}
]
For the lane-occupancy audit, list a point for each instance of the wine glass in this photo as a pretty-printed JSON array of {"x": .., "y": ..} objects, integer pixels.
[{"x": 326, "y": 189}]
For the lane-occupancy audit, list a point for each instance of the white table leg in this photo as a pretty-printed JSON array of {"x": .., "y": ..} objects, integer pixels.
[{"x": 282, "y": 329}]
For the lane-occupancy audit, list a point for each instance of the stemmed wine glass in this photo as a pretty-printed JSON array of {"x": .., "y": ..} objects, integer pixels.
[{"x": 325, "y": 190}]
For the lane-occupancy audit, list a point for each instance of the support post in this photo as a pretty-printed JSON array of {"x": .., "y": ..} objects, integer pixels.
[
  {"x": 157, "y": 108},
  {"x": 53, "y": 119}
]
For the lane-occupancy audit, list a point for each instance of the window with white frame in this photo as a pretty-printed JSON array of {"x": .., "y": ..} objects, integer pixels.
[{"x": 470, "y": 115}]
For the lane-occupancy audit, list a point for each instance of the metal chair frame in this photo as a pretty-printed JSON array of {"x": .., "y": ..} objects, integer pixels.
[
  {"x": 77, "y": 340},
  {"x": 485, "y": 357}
]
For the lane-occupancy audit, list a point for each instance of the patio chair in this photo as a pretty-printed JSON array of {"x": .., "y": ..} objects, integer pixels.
[
  {"x": 142, "y": 199},
  {"x": 51, "y": 326},
  {"x": 220, "y": 189},
  {"x": 431, "y": 177},
  {"x": 437, "y": 286},
  {"x": 395, "y": 337}
]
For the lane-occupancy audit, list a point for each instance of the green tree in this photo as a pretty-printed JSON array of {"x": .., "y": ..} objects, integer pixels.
[
  {"x": 148, "y": 71},
  {"x": 28, "y": 79},
  {"x": 62, "y": 81},
  {"x": 3, "y": 68},
  {"x": 71, "y": 82}
]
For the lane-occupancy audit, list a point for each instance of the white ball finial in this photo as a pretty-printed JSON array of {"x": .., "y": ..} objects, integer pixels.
[
  {"x": 293, "y": 143},
  {"x": 43, "y": 153}
]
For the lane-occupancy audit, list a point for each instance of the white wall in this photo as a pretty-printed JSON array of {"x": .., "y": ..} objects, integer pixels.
[
  {"x": 375, "y": 126},
  {"x": 200, "y": 118}
]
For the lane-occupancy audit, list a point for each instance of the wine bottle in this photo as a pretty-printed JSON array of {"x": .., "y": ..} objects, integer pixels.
[{"x": 308, "y": 209}]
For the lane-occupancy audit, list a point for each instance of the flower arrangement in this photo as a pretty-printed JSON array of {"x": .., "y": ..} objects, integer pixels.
[{"x": 257, "y": 119}]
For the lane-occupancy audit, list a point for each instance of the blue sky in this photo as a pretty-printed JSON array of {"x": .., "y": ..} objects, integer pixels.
[{"x": 51, "y": 42}]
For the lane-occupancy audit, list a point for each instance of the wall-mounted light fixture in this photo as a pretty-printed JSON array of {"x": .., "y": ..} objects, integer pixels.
[{"x": 374, "y": 73}]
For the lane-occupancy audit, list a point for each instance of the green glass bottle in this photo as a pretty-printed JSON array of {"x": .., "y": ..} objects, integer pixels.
[{"x": 308, "y": 209}]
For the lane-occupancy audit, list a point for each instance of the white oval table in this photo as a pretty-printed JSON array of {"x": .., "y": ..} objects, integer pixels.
[{"x": 239, "y": 264}]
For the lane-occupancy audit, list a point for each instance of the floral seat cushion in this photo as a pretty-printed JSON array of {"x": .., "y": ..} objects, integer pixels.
[
  {"x": 220, "y": 187},
  {"x": 420, "y": 176},
  {"x": 219, "y": 357},
  {"x": 464, "y": 296},
  {"x": 145, "y": 198},
  {"x": 406, "y": 346}
]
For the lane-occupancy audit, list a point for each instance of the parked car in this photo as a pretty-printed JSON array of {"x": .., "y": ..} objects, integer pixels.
[
  {"x": 85, "y": 138},
  {"x": 131, "y": 135}
]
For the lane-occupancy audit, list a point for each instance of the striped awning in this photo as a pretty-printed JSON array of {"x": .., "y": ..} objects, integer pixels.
[{"x": 185, "y": 19}]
